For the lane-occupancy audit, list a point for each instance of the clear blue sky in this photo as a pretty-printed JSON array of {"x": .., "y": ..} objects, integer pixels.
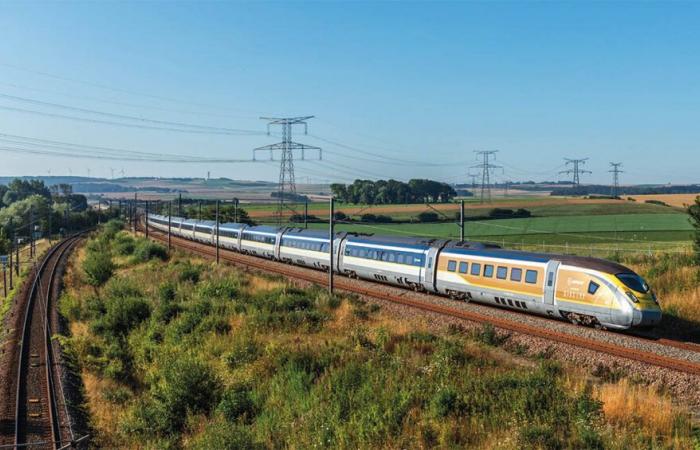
[{"x": 423, "y": 81}]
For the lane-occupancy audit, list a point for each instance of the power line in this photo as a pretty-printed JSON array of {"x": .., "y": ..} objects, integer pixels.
[
  {"x": 615, "y": 188},
  {"x": 131, "y": 118},
  {"x": 287, "y": 184},
  {"x": 576, "y": 169},
  {"x": 486, "y": 168},
  {"x": 120, "y": 90}
]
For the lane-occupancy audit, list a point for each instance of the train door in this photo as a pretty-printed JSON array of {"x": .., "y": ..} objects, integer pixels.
[
  {"x": 339, "y": 251},
  {"x": 550, "y": 281},
  {"x": 278, "y": 243},
  {"x": 430, "y": 266}
]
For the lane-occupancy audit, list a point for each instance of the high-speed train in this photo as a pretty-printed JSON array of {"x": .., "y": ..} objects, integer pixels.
[{"x": 582, "y": 290}]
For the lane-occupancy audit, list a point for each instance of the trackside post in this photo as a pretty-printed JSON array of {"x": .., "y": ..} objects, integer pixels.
[{"x": 330, "y": 238}]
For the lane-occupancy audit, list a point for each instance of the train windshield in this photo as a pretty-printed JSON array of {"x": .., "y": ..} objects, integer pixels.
[{"x": 634, "y": 282}]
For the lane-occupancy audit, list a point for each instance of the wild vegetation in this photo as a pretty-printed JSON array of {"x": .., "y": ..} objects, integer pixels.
[{"x": 190, "y": 354}]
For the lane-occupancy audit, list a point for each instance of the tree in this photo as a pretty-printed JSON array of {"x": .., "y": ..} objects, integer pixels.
[{"x": 694, "y": 212}]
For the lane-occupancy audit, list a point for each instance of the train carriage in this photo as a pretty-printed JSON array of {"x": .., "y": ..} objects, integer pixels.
[
  {"x": 186, "y": 228},
  {"x": 308, "y": 248},
  {"x": 260, "y": 241},
  {"x": 392, "y": 260},
  {"x": 158, "y": 222},
  {"x": 205, "y": 231},
  {"x": 230, "y": 235}
]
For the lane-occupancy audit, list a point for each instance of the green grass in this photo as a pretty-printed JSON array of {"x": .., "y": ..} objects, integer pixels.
[{"x": 619, "y": 228}]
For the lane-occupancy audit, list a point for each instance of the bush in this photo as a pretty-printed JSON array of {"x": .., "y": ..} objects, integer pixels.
[
  {"x": 186, "y": 386},
  {"x": 124, "y": 245},
  {"x": 428, "y": 216},
  {"x": 98, "y": 268},
  {"x": 444, "y": 403},
  {"x": 121, "y": 315},
  {"x": 111, "y": 228},
  {"x": 190, "y": 272},
  {"x": 504, "y": 213},
  {"x": 237, "y": 403},
  {"x": 147, "y": 250}
]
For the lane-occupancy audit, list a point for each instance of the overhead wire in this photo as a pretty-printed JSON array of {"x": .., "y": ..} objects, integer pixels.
[{"x": 219, "y": 130}]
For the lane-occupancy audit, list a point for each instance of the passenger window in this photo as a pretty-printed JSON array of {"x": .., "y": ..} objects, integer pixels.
[
  {"x": 531, "y": 276},
  {"x": 476, "y": 269},
  {"x": 400, "y": 258},
  {"x": 452, "y": 266},
  {"x": 516, "y": 274},
  {"x": 488, "y": 270},
  {"x": 502, "y": 273},
  {"x": 392, "y": 257},
  {"x": 593, "y": 287},
  {"x": 463, "y": 266}
]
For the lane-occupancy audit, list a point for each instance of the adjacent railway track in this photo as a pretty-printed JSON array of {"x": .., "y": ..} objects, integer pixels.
[
  {"x": 407, "y": 298},
  {"x": 40, "y": 415}
]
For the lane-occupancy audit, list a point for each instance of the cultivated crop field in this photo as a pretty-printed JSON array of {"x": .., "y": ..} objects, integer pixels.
[{"x": 677, "y": 200}]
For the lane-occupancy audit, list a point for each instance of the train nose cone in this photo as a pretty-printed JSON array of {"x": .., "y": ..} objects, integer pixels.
[{"x": 646, "y": 318}]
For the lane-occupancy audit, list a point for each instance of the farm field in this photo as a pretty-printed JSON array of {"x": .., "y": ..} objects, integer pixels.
[
  {"x": 623, "y": 230},
  {"x": 538, "y": 206},
  {"x": 677, "y": 200}
]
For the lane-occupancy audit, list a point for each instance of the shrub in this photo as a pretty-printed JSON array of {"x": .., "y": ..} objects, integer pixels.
[
  {"x": 111, "y": 228},
  {"x": 190, "y": 272},
  {"x": 98, "y": 268},
  {"x": 428, "y": 216},
  {"x": 124, "y": 244},
  {"x": 186, "y": 386},
  {"x": 121, "y": 315},
  {"x": 444, "y": 403},
  {"x": 147, "y": 250},
  {"x": 237, "y": 403}
]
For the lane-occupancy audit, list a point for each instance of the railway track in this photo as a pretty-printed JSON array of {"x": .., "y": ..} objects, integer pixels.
[
  {"x": 406, "y": 298},
  {"x": 40, "y": 417}
]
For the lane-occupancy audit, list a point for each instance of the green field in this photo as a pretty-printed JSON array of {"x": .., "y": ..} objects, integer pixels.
[{"x": 624, "y": 231}]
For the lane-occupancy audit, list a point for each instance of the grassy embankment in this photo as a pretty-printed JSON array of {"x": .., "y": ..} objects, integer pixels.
[{"x": 187, "y": 353}]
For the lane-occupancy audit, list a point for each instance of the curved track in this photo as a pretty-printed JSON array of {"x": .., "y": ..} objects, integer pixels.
[
  {"x": 39, "y": 418},
  {"x": 345, "y": 284}
]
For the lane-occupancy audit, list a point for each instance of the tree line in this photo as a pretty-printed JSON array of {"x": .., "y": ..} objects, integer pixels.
[
  {"x": 382, "y": 192},
  {"x": 31, "y": 202}
]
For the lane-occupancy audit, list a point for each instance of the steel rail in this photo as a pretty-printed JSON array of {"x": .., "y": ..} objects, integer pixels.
[
  {"x": 345, "y": 284},
  {"x": 55, "y": 254}
]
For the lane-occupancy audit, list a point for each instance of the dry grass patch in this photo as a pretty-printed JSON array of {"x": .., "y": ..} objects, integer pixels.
[
  {"x": 625, "y": 404},
  {"x": 258, "y": 284}
]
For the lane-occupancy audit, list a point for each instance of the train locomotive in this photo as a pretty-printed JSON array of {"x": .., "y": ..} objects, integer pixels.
[{"x": 582, "y": 290}]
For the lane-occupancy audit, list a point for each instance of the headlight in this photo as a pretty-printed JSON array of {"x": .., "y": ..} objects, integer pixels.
[{"x": 632, "y": 297}]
